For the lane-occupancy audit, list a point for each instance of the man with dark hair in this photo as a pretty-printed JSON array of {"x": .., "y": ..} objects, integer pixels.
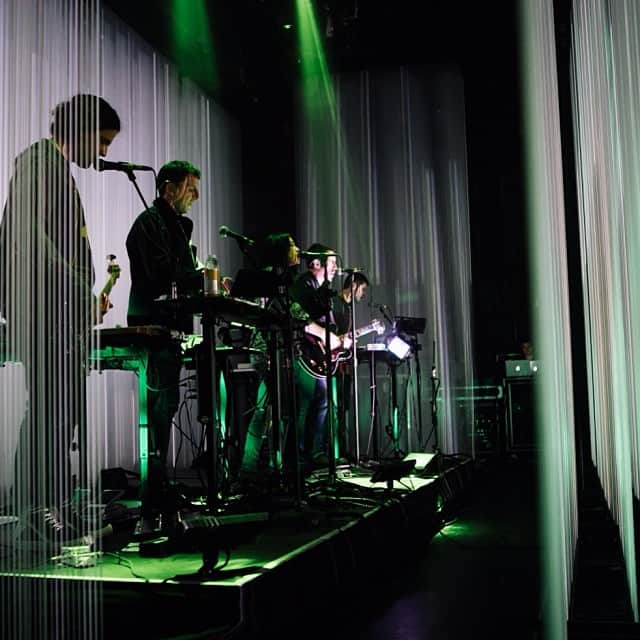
[
  {"x": 74, "y": 124},
  {"x": 354, "y": 289},
  {"x": 161, "y": 255},
  {"x": 46, "y": 295},
  {"x": 159, "y": 245},
  {"x": 312, "y": 291},
  {"x": 277, "y": 254}
]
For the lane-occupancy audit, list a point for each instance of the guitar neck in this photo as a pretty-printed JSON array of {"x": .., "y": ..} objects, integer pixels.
[
  {"x": 362, "y": 331},
  {"x": 106, "y": 290}
]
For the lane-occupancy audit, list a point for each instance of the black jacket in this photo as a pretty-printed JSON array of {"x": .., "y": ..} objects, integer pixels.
[
  {"x": 46, "y": 267},
  {"x": 160, "y": 254},
  {"x": 313, "y": 298}
]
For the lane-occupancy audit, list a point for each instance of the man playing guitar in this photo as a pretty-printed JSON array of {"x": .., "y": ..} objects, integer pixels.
[
  {"x": 312, "y": 291},
  {"x": 354, "y": 290}
]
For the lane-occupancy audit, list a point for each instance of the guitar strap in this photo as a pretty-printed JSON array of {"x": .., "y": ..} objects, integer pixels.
[{"x": 331, "y": 318}]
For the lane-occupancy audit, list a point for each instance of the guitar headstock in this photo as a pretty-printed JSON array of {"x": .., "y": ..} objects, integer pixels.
[
  {"x": 113, "y": 268},
  {"x": 378, "y": 326}
]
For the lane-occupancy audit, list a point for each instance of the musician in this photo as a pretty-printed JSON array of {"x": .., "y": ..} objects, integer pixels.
[
  {"x": 161, "y": 255},
  {"x": 354, "y": 288},
  {"x": 312, "y": 291},
  {"x": 46, "y": 295},
  {"x": 277, "y": 253}
]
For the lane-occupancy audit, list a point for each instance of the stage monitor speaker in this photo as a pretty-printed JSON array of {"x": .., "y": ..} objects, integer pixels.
[
  {"x": 426, "y": 463},
  {"x": 213, "y": 534},
  {"x": 521, "y": 423},
  {"x": 390, "y": 471}
]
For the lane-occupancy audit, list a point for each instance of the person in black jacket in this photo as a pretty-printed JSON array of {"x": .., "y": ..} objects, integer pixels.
[
  {"x": 354, "y": 290},
  {"x": 357, "y": 284},
  {"x": 312, "y": 291},
  {"x": 161, "y": 256},
  {"x": 277, "y": 257},
  {"x": 46, "y": 297}
]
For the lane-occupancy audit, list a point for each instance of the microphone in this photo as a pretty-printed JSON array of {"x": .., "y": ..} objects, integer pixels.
[
  {"x": 349, "y": 270},
  {"x": 105, "y": 165},
  {"x": 386, "y": 312},
  {"x": 316, "y": 254},
  {"x": 225, "y": 232}
]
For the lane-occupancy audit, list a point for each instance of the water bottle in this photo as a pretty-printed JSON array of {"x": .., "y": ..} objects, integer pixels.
[{"x": 211, "y": 276}]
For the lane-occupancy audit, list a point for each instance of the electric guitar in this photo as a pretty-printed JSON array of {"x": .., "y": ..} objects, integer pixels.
[
  {"x": 313, "y": 358},
  {"x": 113, "y": 270}
]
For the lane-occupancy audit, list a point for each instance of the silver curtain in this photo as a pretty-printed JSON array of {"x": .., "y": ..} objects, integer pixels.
[
  {"x": 550, "y": 313},
  {"x": 51, "y": 50},
  {"x": 606, "y": 59},
  {"x": 383, "y": 180}
]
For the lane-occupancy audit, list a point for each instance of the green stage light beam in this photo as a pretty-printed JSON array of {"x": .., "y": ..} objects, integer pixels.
[
  {"x": 191, "y": 43},
  {"x": 327, "y": 148},
  {"x": 318, "y": 93}
]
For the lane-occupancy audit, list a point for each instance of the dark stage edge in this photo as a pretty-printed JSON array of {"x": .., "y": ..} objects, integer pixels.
[{"x": 287, "y": 573}]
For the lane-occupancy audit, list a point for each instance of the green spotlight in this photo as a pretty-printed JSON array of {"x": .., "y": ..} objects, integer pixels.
[
  {"x": 191, "y": 42},
  {"x": 317, "y": 88}
]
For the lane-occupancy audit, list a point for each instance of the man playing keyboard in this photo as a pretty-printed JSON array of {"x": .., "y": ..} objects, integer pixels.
[{"x": 161, "y": 257}]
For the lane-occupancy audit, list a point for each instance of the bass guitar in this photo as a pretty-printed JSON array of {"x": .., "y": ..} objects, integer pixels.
[
  {"x": 113, "y": 271},
  {"x": 313, "y": 355}
]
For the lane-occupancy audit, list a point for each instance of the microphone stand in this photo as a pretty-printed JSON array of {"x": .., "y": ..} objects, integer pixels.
[
  {"x": 144, "y": 479},
  {"x": 331, "y": 427},
  {"x": 354, "y": 383},
  {"x": 244, "y": 248},
  {"x": 132, "y": 177},
  {"x": 285, "y": 441},
  {"x": 435, "y": 383},
  {"x": 415, "y": 347}
]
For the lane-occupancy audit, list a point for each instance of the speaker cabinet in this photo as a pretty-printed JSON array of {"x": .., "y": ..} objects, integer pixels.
[
  {"x": 481, "y": 409},
  {"x": 520, "y": 418}
]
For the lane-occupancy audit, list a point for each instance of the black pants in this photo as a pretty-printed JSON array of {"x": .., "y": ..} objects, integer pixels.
[
  {"x": 55, "y": 375},
  {"x": 163, "y": 379},
  {"x": 344, "y": 381},
  {"x": 313, "y": 413}
]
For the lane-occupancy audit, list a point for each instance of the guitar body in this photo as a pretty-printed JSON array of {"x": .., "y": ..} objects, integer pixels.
[{"x": 313, "y": 355}]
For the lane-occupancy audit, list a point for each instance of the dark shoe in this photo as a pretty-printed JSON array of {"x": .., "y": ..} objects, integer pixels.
[{"x": 43, "y": 530}]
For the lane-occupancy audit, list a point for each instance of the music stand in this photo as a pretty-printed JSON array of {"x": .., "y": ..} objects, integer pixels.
[
  {"x": 254, "y": 283},
  {"x": 409, "y": 328}
]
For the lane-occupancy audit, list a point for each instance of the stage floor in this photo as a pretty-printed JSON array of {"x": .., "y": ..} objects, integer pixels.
[{"x": 254, "y": 568}]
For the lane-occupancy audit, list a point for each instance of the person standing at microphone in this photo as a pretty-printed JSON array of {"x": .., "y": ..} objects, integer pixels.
[
  {"x": 46, "y": 296},
  {"x": 354, "y": 290},
  {"x": 354, "y": 287},
  {"x": 276, "y": 254},
  {"x": 312, "y": 291},
  {"x": 161, "y": 256}
]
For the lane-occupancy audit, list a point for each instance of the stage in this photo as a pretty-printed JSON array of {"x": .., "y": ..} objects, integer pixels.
[{"x": 262, "y": 565}]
